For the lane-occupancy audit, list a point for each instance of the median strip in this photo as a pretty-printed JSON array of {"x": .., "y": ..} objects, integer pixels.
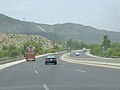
[{"x": 92, "y": 63}]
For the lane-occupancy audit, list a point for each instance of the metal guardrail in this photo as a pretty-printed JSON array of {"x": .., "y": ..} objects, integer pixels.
[{"x": 114, "y": 56}]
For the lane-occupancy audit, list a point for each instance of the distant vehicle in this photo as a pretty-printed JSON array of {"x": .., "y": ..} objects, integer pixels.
[
  {"x": 50, "y": 59},
  {"x": 56, "y": 53},
  {"x": 84, "y": 49},
  {"x": 30, "y": 53},
  {"x": 77, "y": 54}
]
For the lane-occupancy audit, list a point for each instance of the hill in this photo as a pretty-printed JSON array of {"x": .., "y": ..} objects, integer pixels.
[
  {"x": 57, "y": 32},
  {"x": 83, "y": 33},
  {"x": 19, "y": 39}
]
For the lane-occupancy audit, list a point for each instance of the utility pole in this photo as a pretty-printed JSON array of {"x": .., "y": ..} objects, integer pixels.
[{"x": 103, "y": 51}]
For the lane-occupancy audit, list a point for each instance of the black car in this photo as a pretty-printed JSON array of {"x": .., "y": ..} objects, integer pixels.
[{"x": 50, "y": 59}]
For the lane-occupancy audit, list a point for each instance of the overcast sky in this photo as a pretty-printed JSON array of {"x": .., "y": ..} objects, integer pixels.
[{"x": 101, "y": 14}]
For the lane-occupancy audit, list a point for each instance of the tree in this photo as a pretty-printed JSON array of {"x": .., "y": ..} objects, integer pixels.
[
  {"x": 70, "y": 43},
  {"x": 75, "y": 45},
  {"x": 4, "y": 47},
  {"x": 3, "y": 53},
  {"x": 12, "y": 47},
  {"x": 82, "y": 44},
  {"x": 14, "y": 53},
  {"x": 96, "y": 49},
  {"x": 106, "y": 42}
]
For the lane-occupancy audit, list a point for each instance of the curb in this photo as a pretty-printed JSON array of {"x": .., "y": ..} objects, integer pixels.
[{"x": 3, "y": 66}]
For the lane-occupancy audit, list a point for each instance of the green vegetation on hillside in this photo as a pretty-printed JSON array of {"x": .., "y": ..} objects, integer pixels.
[
  {"x": 13, "y": 51},
  {"x": 14, "y": 45}
]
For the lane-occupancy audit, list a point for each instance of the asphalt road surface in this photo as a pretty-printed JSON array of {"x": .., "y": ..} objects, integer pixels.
[{"x": 64, "y": 76}]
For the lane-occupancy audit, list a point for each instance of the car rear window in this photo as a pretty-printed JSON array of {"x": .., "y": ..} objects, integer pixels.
[{"x": 50, "y": 56}]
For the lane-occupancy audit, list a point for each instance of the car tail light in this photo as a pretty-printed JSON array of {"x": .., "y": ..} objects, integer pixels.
[
  {"x": 47, "y": 58},
  {"x": 54, "y": 58}
]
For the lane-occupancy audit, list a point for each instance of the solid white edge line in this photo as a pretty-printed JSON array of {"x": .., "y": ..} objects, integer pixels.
[
  {"x": 45, "y": 87},
  {"x": 3, "y": 66},
  {"x": 80, "y": 70}
]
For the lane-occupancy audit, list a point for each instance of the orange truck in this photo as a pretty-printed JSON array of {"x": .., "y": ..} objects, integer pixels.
[{"x": 30, "y": 53}]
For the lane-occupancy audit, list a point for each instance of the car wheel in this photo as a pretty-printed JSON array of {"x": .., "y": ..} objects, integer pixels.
[{"x": 55, "y": 62}]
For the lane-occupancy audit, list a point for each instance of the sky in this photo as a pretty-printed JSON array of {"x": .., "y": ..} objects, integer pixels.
[{"x": 101, "y": 14}]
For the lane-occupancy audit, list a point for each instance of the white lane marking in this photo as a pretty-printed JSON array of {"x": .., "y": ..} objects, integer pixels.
[
  {"x": 34, "y": 66},
  {"x": 36, "y": 72},
  {"x": 62, "y": 66},
  {"x": 45, "y": 87},
  {"x": 3, "y": 66},
  {"x": 19, "y": 87},
  {"x": 80, "y": 70}
]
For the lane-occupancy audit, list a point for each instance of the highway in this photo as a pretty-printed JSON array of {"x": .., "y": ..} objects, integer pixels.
[{"x": 64, "y": 76}]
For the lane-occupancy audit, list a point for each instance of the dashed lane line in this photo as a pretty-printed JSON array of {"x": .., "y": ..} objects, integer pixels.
[
  {"x": 45, "y": 87},
  {"x": 36, "y": 72},
  {"x": 80, "y": 70},
  {"x": 62, "y": 66}
]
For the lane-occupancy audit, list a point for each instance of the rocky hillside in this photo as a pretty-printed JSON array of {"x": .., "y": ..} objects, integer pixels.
[{"x": 20, "y": 39}]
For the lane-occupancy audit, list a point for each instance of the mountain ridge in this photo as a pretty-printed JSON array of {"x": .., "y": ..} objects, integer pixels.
[{"x": 57, "y": 32}]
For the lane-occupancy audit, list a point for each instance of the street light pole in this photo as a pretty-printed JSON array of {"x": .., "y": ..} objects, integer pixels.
[{"x": 103, "y": 51}]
